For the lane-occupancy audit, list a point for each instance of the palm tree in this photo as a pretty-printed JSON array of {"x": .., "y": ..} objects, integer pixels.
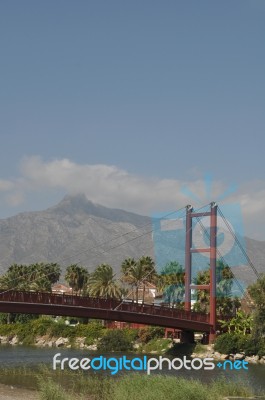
[
  {"x": 76, "y": 277},
  {"x": 14, "y": 277},
  {"x": 224, "y": 279},
  {"x": 148, "y": 266},
  {"x": 127, "y": 265},
  {"x": 102, "y": 283},
  {"x": 203, "y": 296},
  {"x": 26, "y": 277},
  {"x": 136, "y": 272},
  {"x": 170, "y": 282},
  {"x": 224, "y": 283}
]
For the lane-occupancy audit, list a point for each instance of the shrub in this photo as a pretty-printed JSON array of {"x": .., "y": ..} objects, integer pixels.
[
  {"x": 42, "y": 325},
  {"x": 132, "y": 334},
  {"x": 150, "y": 332},
  {"x": 6, "y": 330},
  {"x": 59, "y": 329},
  {"x": 234, "y": 343},
  {"x": 261, "y": 350},
  {"x": 115, "y": 340},
  {"x": 93, "y": 330},
  {"x": 227, "y": 343},
  {"x": 254, "y": 347},
  {"x": 24, "y": 333}
]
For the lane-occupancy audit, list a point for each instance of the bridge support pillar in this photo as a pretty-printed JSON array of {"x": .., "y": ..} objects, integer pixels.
[
  {"x": 212, "y": 250},
  {"x": 212, "y": 336},
  {"x": 187, "y": 337}
]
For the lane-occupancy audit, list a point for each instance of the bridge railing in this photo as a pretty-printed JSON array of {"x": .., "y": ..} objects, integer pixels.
[{"x": 92, "y": 302}]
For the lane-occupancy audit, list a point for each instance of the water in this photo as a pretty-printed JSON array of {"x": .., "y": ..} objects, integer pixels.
[{"x": 30, "y": 357}]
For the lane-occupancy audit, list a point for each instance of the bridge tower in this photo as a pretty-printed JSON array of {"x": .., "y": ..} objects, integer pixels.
[{"x": 189, "y": 250}]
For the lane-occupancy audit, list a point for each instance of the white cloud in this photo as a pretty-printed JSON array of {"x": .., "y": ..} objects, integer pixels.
[
  {"x": 5, "y": 185},
  {"x": 15, "y": 199},
  {"x": 114, "y": 187}
]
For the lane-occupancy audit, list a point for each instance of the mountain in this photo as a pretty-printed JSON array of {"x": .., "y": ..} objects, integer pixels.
[
  {"x": 77, "y": 230},
  {"x": 72, "y": 232}
]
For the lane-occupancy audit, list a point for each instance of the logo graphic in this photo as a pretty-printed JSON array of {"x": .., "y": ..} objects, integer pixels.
[{"x": 123, "y": 363}]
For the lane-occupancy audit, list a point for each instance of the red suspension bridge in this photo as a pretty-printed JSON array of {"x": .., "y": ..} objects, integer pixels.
[{"x": 13, "y": 301}]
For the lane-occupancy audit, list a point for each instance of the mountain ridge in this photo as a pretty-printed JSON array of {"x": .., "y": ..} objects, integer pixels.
[{"x": 78, "y": 230}]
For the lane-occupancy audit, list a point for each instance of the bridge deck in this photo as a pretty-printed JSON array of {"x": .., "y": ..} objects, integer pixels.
[{"x": 99, "y": 308}]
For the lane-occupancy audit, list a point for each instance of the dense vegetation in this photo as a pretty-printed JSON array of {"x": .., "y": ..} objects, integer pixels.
[
  {"x": 246, "y": 333},
  {"x": 47, "y": 326},
  {"x": 93, "y": 332},
  {"x": 231, "y": 343}
]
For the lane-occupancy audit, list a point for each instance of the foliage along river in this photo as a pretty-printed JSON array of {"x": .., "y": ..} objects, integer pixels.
[{"x": 22, "y": 356}]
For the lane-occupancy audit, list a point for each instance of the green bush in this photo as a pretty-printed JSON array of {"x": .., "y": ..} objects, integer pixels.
[
  {"x": 132, "y": 334},
  {"x": 6, "y": 330},
  {"x": 254, "y": 347},
  {"x": 227, "y": 343},
  {"x": 59, "y": 329},
  {"x": 115, "y": 340},
  {"x": 261, "y": 350},
  {"x": 92, "y": 330},
  {"x": 150, "y": 332},
  {"x": 41, "y": 326},
  {"x": 24, "y": 331},
  {"x": 234, "y": 343}
]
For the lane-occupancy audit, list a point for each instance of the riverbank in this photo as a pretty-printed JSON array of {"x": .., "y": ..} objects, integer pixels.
[
  {"x": 209, "y": 351},
  {"x": 46, "y": 332},
  {"x": 154, "y": 346}
]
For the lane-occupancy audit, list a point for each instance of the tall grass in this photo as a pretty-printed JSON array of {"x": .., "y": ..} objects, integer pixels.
[
  {"x": 50, "y": 390},
  {"x": 69, "y": 385},
  {"x": 138, "y": 387}
]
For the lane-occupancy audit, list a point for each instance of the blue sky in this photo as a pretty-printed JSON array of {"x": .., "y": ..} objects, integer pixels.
[{"x": 146, "y": 92}]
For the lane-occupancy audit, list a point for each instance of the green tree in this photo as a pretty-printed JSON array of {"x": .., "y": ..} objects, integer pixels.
[
  {"x": 148, "y": 266},
  {"x": 257, "y": 293},
  {"x": 242, "y": 323},
  {"x": 203, "y": 296},
  {"x": 170, "y": 282},
  {"x": 138, "y": 272},
  {"x": 224, "y": 282},
  {"x": 38, "y": 277},
  {"x": 101, "y": 283},
  {"x": 77, "y": 277},
  {"x": 127, "y": 265},
  {"x": 115, "y": 340}
]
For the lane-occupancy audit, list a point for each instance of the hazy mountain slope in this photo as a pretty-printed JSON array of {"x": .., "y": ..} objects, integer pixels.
[{"x": 72, "y": 230}]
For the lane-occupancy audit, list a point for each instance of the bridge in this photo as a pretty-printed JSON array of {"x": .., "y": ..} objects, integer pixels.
[
  {"x": 13, "y": 301},
  {"x": 99, "y": 308}
]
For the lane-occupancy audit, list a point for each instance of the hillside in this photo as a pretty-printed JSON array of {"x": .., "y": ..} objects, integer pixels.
[
  {"x": 77, "y": 230},
  {"x": 71, "y": 232}
]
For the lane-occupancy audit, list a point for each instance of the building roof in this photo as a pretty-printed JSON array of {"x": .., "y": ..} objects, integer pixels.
[{"x": 61, "y": 288}]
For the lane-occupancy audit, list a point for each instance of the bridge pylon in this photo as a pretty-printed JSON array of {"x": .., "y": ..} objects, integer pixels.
[{"x": 189, "y": 250}]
